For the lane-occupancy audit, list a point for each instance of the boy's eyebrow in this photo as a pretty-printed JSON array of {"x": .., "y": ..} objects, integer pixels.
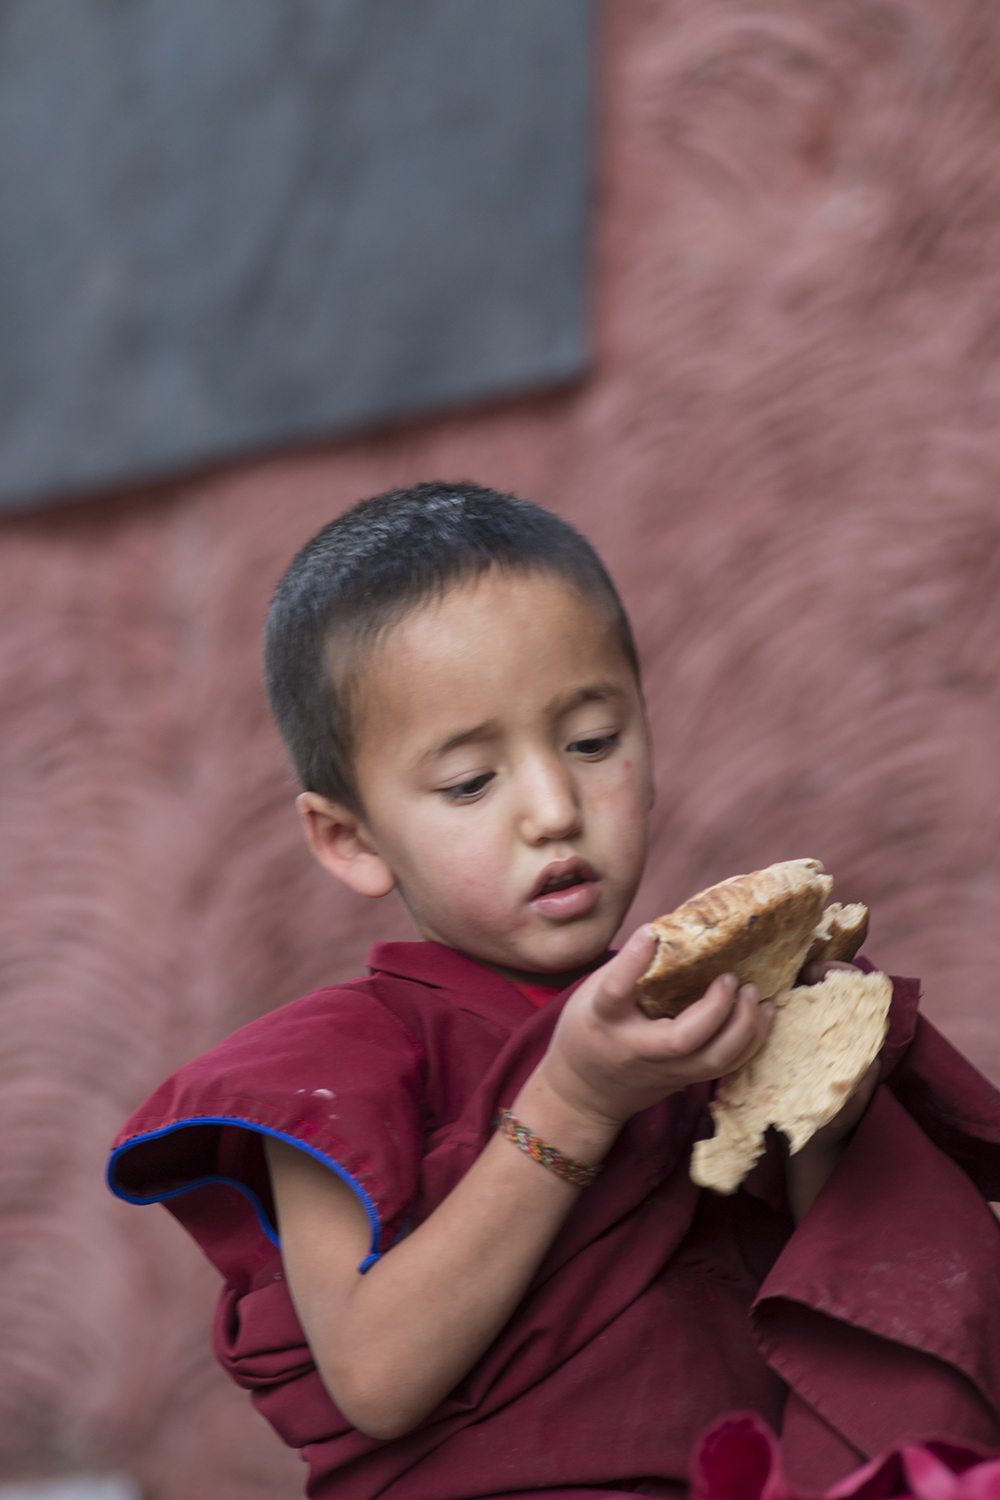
[
  {"x": 595, "y": 692},
  {"x": 477, "y": 732}
]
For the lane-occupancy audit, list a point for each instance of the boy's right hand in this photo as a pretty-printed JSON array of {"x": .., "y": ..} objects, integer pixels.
[{"x": 607, "y": 1060}]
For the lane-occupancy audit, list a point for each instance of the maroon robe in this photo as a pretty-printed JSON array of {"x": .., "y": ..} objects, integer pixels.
[{"x": 658, "y": 1306}]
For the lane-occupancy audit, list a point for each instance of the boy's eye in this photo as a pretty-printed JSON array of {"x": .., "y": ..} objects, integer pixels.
[
  {"x": 595, "y": 746},
  {"x": 468, "y": 791}
]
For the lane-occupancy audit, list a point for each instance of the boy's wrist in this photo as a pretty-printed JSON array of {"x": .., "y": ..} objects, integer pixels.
[{"x": 551, "y": 1113}]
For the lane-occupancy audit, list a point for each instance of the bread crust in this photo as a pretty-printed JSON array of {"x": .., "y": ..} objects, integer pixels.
[{"x": 760, "y": 927}]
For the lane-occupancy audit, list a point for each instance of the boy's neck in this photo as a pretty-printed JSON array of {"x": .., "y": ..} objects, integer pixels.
[{"x": 551, "y": 981}]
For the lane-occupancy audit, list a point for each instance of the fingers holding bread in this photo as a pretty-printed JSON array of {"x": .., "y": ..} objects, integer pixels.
[{"x": 716, "y": 1035}]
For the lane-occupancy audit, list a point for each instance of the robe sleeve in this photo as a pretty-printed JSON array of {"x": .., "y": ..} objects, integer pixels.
[
  {"x": 954, "y": 1105},
  {"x": 336, "y": 1075}
]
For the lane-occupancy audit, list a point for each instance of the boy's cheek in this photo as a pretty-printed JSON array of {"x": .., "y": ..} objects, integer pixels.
[
  {"x": 469, "y": 882},
  {"x": 619, "y": 810},
  {"x": 628, "y": 777}
]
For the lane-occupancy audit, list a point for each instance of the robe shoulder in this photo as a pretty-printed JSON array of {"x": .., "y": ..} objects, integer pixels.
[{"x": 356, "y": 1075}]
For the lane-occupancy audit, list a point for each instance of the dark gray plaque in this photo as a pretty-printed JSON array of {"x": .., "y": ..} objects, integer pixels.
[{"x": 228, "y": 224}]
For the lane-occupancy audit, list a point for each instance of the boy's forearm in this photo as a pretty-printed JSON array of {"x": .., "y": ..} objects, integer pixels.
[
  {"x": 807, "y": 1171},
  {"x": 806, "y": 1174},
  {"x": 408, "y": 1331},
  {"x": 432, "y": 1306}
]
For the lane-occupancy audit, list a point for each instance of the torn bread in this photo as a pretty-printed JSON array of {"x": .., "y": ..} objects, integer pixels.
[
  {"x": 823, "y": 1039},
  {"x": 760, "y": 927},
  {"x": 841, "y": 931}
]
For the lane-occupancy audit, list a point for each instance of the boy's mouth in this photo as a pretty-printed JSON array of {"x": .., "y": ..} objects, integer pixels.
[{"x": 565, "y": 888}]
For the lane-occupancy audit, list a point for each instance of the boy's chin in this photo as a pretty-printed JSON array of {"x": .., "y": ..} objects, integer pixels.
[
  {"x": 557, "y": 950},
  {"x": 560, "y": 953}
]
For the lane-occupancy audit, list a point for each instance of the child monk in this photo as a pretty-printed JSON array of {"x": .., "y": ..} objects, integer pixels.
[{"x": 462, "y": 1252}]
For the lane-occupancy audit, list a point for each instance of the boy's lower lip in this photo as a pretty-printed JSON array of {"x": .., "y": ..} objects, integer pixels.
[{"x": 574, "y": 901}]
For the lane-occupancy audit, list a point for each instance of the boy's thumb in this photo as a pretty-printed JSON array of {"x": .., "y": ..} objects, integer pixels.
[{"x": 628, "y": 965}]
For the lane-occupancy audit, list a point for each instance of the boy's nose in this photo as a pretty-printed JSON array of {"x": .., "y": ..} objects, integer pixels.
[{"x": 550, "y": 807}]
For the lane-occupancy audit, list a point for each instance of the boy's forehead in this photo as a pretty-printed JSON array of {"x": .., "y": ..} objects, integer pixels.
[
  {"x": 496, "y": 618},
  {"x": 490, "y": 644}
]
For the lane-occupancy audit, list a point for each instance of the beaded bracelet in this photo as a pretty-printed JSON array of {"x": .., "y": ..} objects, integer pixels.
[{"x": 579, "y": 1173}]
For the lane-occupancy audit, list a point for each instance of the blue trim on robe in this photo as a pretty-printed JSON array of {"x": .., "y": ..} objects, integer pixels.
[{"x": 365, "y": 1199}]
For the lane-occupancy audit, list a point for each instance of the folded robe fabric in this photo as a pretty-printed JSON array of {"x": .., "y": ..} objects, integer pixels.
[{"x": 658, "y": 1306}]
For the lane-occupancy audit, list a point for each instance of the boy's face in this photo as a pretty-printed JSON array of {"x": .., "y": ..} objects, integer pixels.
[{"x": 503, "y": 765}]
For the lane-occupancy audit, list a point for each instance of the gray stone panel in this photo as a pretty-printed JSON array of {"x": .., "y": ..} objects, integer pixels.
[
  {"x": 77, "y": 1488},
  {"x": 229, "y": 224}
]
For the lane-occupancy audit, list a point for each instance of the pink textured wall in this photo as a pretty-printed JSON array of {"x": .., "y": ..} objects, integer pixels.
[{"x": 787, "y": 453}]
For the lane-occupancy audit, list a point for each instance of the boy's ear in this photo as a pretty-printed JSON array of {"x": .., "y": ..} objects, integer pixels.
[{"x": 341, "y": 843}]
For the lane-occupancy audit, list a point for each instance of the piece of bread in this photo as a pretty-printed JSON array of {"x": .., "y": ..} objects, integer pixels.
[
  {"x": 823, "y": 1039},
  {"x": 841, "y": 931},
  {"x": 760, "y": 927}
]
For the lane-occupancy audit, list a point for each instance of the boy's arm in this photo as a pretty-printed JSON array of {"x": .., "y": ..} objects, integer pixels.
[
  {"x": 807, "y": 1171},
  {"x": 391, "y": 1344}
]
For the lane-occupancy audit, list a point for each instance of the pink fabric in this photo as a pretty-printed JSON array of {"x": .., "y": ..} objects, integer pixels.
[
  {"x": 657, "y": 1307},
  {"x": 741, "y": 1459}
]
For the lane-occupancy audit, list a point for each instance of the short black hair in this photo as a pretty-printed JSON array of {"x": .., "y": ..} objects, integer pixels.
[{"x": 371, "y": 566}]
